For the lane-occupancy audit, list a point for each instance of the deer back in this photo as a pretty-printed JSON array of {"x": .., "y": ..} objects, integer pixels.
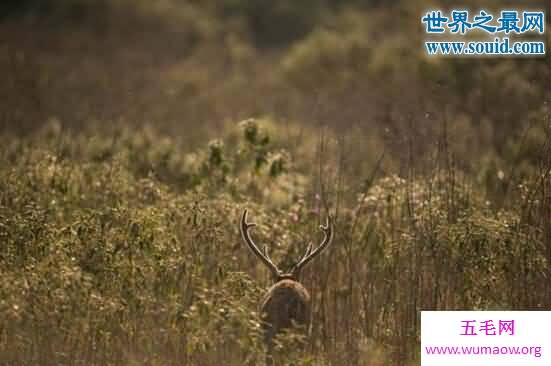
[{"x": 285, "y": 303}]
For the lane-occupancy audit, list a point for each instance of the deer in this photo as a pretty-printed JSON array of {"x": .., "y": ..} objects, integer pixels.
[{"x": 287, "y": 302}]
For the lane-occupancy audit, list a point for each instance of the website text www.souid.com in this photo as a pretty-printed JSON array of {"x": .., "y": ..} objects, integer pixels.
[{"x": 478, "y": 48}]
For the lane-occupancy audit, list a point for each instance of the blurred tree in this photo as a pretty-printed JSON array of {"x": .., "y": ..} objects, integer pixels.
[
  {"x": 73, "y": 10},
  {"x": 276, "y": 22}
]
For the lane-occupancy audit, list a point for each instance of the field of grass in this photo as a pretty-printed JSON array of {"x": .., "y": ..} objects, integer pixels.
[
  {"x": 123, "y": 250},
  {"x": 126, "y": 162}
]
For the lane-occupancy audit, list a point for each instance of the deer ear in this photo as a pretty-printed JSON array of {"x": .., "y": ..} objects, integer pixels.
[{"x": 296, "y": 272}]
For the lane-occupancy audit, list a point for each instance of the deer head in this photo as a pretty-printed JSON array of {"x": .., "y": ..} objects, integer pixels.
[{"x": 294, "y": 273}]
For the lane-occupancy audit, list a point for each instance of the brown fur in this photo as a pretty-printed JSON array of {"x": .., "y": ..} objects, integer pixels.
[{"x": 286, "y": 302}]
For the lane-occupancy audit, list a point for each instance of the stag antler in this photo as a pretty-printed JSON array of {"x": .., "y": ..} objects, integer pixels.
[
  {"x": 244, "y": 228},
  {"x": 310, "y": 254}
]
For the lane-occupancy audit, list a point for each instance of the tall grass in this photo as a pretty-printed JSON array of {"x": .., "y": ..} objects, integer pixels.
[{"x": 125, "y": 250}]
